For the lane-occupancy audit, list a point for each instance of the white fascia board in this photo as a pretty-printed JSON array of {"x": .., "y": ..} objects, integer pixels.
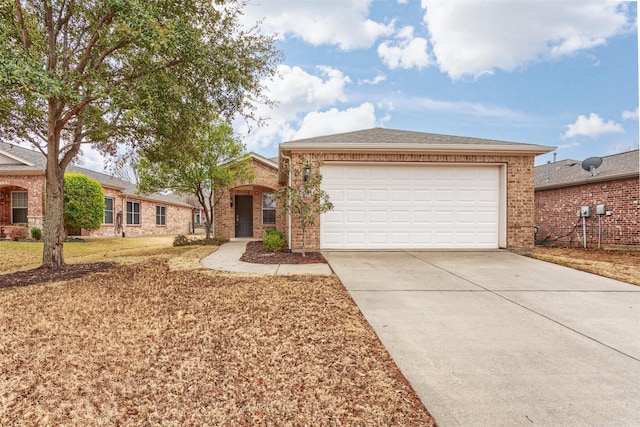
[{"x": 418, "y": 148}]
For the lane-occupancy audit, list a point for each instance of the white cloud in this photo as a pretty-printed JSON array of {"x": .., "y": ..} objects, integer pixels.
[
  {"x": 630, "y": 115},
  {"x": 336, "y": 121},
  {"x": 374, "y": 81},
  {"x": 302, "y": 100},
  {"x": 592, "y": 127},
  {"x": 407, "y": 51},
  {"x": 341, "y": 23},
  {"x": 92, "y": 159},
  {"x": 462, "y": 108},
  {"x": 475, "y": 38},
  {"x": 296, "y": 90}
]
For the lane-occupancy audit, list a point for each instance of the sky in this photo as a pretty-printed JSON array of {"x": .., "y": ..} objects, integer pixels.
[{"x": 552, "y": 72}]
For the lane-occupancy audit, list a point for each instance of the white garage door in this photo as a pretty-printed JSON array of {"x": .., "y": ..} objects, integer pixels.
[{"x": 379, "y": 206}]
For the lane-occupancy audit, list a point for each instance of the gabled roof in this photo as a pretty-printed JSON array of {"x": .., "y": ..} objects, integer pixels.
[
  {"x": 16, "y": 159},
  {"x": 565, "y": 173},
  {"x": 392, "y": 140},
  {"x": 269, "y": 162},
  {"x": 19, "y": 159}
]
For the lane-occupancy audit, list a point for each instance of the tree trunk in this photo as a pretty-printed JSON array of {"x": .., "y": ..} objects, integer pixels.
[{"x": 53, "y": 231}]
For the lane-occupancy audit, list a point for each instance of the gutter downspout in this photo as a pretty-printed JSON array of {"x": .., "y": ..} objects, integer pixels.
[{"x": 288, "y": 158}]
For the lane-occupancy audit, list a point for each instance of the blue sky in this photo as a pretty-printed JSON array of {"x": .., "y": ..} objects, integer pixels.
[
  {"x": 553, "y": 72},
  {"x": 559, "y": 73}
]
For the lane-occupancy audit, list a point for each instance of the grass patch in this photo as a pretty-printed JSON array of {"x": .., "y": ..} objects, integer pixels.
[
  {"x": 18, "y": 256},
  {"x": 614, "y": 264}
]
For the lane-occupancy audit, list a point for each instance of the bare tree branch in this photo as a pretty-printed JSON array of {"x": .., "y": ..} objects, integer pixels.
[
  {"x": 106, "y": 20},
  {"x": 26, "y": 40}
]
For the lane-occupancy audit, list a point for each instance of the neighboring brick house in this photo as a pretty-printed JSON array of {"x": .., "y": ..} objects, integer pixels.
[
  {"x": 564, "y": 187},
  {"x": 127, "y": 213},
  {"x": 394, "y": 189}
]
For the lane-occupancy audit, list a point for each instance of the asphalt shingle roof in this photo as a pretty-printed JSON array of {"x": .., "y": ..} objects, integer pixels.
[
  {"x": 569, "y": 172},
  {"x": 382, "y": 136}
]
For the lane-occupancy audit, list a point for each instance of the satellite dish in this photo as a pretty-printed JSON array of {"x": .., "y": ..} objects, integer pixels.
[{"x": 591, "y": 164}]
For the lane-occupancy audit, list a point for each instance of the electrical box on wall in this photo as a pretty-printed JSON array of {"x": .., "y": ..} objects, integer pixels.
[
  {"x": 585, "y": 211},
  {"x": 601, "y": 210}
]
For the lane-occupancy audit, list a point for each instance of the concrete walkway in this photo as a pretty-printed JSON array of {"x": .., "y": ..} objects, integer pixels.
[
  {"x": 497, "y": 339},
  {"x": 227, "y": 258}
]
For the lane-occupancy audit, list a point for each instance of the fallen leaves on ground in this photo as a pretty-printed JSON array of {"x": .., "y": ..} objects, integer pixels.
[
  {"x": 623, "y": 265},
  {"x": 144, "y": 345}
]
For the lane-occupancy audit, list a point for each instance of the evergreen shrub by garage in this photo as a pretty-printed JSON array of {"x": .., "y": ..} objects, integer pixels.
[{"x": 273, "y": 240}]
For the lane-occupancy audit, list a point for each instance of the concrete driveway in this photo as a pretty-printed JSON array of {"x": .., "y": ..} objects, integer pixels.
[{"x": 495, "y": 338}]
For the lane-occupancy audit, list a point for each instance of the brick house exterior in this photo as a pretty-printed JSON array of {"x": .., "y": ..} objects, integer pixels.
[
  {"x": 384, "y": 146},
  {"x": 563, "y": 187},
  {"x": 245, "y": 209},
  {"x": 128, "y": 214}
]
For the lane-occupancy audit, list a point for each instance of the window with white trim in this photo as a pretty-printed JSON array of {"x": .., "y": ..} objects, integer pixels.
[
  {"x": 133, "y": 213},
  {"x": 19, "y": 207},
  {"x": 268, "y": 209},
  {"x": 161, "y": 215},
  {"x": 108, "y": 210}
]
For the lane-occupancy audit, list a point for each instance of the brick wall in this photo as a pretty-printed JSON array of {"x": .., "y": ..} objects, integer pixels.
[
  {"x": 555, "y": 213},
  {"x": 34, "y": 185},
  {"x": 519, "y": 199},
  {"x": 178, "y": 218},
  {"x": 265, "y": 181}
]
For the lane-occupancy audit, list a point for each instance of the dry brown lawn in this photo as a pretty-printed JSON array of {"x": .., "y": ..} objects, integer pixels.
[
  {"x": 18, "y": 256},
  {"x": 165, "y": 342},
  {"x": 614, "y": 264}
]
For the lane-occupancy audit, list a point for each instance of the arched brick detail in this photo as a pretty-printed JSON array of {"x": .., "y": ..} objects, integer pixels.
[
  {"x": 34, "y": 186},
  {"x": 265, "y": 181}
]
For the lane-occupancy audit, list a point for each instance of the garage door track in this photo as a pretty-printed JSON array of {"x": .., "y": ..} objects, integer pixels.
[{"x": 495, "y": 338}]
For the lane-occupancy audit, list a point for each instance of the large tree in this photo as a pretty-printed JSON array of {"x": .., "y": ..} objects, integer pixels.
[
  {"x": 111, "y": 72},
  {"x": 213, "y": 159}
]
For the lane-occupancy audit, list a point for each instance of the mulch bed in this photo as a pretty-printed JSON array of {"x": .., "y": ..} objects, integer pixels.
[
  {"x": 42, "y": 275},
  {"x": 256, "y": 254}
]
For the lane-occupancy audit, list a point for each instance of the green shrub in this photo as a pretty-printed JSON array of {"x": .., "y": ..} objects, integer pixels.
[
  {"x": 83, "y": 202},
  {"x": 273, "y": 240},
  {"x": 36, "y": 233}
]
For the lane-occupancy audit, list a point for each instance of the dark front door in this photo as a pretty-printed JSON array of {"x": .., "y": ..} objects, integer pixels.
[{"x": 244, "y": 216}]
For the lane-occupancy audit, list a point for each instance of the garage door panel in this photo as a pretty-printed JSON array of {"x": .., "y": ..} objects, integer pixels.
[
  {"x": 356, "y": 217},
  {"x": 422, "y": 195},
  {"x": 422, "y": 217},
  {"x": 391, "y": 206},
  {"x": 400, "y": 195},
  {"x": 400, "y": 217},
  {"x": 333, "y": 217},
  {"x": 355, "y": 238},
  {"x": 378, "y": 216},
  {"x": 378, "y": 195}
]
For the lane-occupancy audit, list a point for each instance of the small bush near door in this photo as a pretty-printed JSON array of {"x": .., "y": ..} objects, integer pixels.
[{"x": 273, "y": 241}]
